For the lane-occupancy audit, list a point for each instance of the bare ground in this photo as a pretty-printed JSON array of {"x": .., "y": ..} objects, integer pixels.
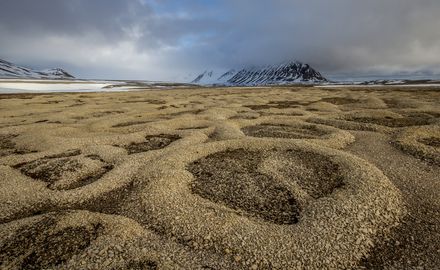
[{"x": 221, "y": 178}]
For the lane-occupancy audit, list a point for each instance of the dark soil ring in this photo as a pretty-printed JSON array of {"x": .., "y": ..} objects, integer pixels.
[
  {"x": 422, "y": 142},
  {"x": 302, "y": 131},
  {"x": 228, "y": 202},
  {"x": 66, "y": 170},
  {"x": 8, "y": 147},
  {"x": 40, "y": 245},
  {"x": 70, "y": 240},
  {"x": 152, "y": 142},
  {"x": 232, "y": 178},
  {"x": 405, "y": 121},
  {"x": 284, "y": 129}
]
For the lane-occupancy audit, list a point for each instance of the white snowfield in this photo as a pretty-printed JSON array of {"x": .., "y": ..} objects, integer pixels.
[{"x": 46, "y": 86}]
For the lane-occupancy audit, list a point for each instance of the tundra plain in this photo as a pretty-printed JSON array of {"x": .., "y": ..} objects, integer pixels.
[{"x": 221, "y": 178}]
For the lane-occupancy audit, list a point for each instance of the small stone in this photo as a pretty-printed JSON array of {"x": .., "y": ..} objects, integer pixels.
[
  {"x": 237, "y": 258},
  {"x": 195, "y": 245}
]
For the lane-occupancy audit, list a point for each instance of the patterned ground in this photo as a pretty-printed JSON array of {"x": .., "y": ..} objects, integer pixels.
[{"x": 212, "y": 178}]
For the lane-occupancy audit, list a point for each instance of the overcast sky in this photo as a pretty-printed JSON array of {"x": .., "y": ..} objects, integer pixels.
[{"x": 170, "y": 39}]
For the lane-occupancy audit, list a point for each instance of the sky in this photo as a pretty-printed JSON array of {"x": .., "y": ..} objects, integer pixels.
[{"x": 174, "y": 40}]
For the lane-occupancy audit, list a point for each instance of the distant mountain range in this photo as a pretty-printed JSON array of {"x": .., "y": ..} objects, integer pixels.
[
  {"x": 284, "y": 73},
  {"x": 10, "y": 70}
]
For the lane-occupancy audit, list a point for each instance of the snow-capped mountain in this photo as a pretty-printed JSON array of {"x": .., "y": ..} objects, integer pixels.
[
  {"x": 10, "y": 70},
  {"x": 214, "y": 77},
  {"x": 284, "y": 73}
]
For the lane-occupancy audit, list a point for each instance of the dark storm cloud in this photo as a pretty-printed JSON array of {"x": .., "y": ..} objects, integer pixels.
[
  {"x": 68, "y": 17},
  {"x": 165, "y": 38},
  {"x": 340, "y": 35}
]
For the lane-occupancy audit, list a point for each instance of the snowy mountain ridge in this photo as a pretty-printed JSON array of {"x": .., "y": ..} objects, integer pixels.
[
  {"x": 283, "y": 73},
  {"x": 10, "y": 71}
]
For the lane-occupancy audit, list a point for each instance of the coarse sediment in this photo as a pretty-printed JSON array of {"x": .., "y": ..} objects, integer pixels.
[{"x": 219, "y": 178}]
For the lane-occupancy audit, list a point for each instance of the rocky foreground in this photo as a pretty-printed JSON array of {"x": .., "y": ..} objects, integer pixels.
[{"x": 221, "y": 178}]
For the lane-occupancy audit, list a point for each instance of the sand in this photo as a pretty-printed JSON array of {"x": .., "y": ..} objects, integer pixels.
[{"x": 221, "y": 178}]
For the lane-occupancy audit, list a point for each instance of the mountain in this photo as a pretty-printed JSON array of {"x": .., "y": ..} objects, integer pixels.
[
  {"x": 400, "y": 82},
  {"x": 284, "y": 73},
  {"x": 10, "y": 70},
  {"x": 214, "y": 77}
]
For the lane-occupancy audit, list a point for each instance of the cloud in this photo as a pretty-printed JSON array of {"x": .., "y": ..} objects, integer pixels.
[{"x": 152, "y": 39}]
